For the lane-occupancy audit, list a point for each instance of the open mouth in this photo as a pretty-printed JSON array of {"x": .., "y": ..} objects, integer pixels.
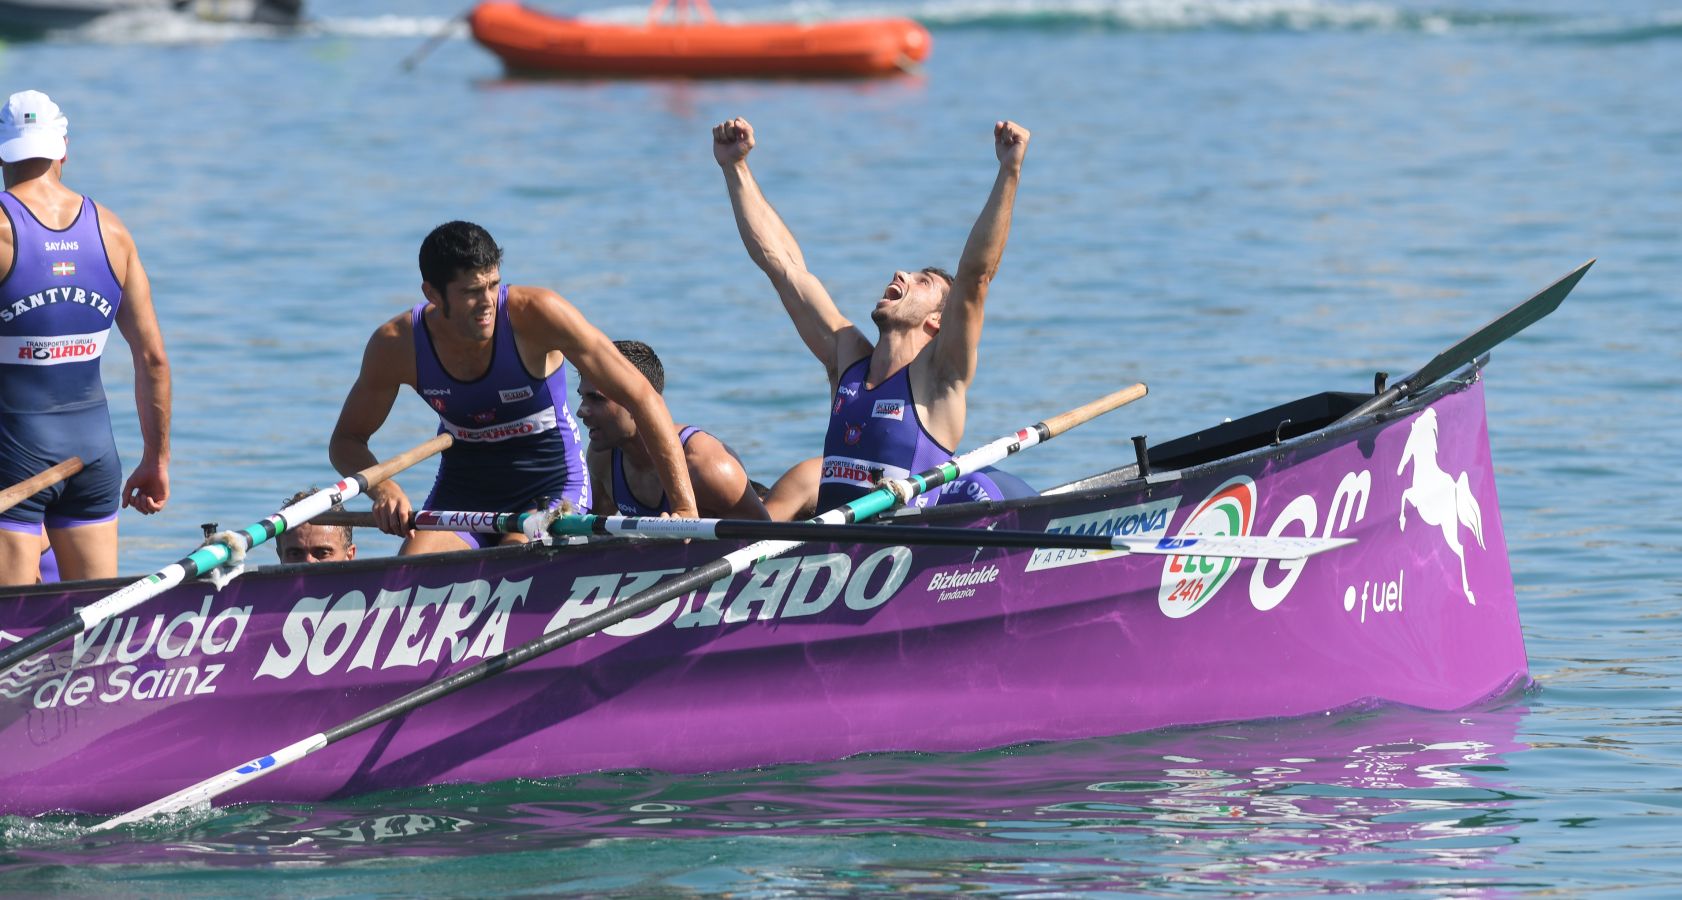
[{"x": 894, "y": 291}]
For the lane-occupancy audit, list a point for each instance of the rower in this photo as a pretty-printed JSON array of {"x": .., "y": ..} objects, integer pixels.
[
  {"x": 488, "y": 358},
  {"x": 898, "y": 406},
  {"x": 622, "y": 472},
  {"x": 307, "y": 542}
]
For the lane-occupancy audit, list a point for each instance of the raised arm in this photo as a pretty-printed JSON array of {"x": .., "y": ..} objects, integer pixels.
[
  {"x": 560, "y": 326},
  {"x": 387, "y": 361},
  {"x": 147, "y": 488},
  {"x": 955, "y": 347},
  {"x": 827, "y": 333}
]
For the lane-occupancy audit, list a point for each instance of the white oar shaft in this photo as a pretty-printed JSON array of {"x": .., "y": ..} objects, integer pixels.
[{"x": 231, "y": 545}]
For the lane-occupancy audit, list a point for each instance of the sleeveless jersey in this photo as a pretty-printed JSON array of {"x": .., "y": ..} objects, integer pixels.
[
  {"x": 57, "y": 305},
  {"x": 516, "y": 440},
  {"x": 626, "y": 501},
  {"x": 875, "y": 434}
]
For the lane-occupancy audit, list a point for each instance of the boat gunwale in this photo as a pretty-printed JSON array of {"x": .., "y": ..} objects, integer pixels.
[{"x": 1056, "y": 495}]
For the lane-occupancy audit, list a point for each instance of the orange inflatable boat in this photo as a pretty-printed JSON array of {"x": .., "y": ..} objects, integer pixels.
[{"x": 532, "y": 42}]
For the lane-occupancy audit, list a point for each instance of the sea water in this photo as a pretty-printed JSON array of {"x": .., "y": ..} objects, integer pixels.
[{"x": 1238, "y": 202}]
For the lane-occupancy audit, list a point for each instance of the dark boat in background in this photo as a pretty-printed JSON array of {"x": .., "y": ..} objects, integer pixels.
[{"x": 34, "y": 18}]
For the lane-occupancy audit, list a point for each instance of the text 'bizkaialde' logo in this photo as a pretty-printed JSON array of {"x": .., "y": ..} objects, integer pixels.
[{"x": 1188, "y": 582}]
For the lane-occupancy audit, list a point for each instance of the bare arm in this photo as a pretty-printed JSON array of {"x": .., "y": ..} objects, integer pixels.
[
  {"x": 721, "y": 484},
  {"x": 388, "y": 363},
  {"x": 147, "y": 488},
  {"x": 955, "y": 347},
  {"x": 833, "y": 339},
  {"x": 558, "y": 324}
]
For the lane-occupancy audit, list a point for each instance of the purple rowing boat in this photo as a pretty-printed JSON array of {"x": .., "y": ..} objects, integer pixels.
[{"x": 828, "y": 651}]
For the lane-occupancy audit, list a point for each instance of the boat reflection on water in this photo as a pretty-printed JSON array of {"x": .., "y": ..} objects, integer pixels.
[{"x": 1231, "y": 806}]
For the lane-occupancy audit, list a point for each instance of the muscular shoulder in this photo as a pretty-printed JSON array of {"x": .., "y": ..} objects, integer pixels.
[
  {"x": 527, "y": 303},
  {"x": 709, "y": 458},
  {"x": 393, "y": 343},
  {"x": 118, "y": 240}
]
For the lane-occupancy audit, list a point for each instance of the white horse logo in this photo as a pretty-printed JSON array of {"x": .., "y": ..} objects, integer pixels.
[{"x": 1440, "y": 500}]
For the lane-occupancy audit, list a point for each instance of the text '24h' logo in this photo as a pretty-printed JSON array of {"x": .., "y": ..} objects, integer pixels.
[{"x": 1189, "y": 581}]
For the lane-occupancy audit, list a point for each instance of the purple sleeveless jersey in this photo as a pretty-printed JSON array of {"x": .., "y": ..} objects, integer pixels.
[
  {"x": 875, "y": 434},
  {"x": 516, "y": 441},
  {"x": 57, "y": 305},
  {"x": 627, "y": 502}
]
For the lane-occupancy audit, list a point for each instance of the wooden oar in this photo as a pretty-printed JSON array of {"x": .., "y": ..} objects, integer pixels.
[
  {"x": 213, "y": 555},
  {"x": 38, "y": 482},
  {"x": 1235, "y": 546},
  {"x": 1474, "y": 345},
  {"x": 695, "y": 579}
]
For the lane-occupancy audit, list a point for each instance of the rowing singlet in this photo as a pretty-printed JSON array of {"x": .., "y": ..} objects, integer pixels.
[
  {"x": 57, "y": 305},
  {"x": 626, "y": 501},
  {"x": 875, "y": 434},
  {"x": 516, "y": 441}
]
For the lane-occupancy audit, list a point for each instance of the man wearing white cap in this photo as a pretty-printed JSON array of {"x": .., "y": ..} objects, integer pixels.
[{"x": 68, "y": 272}]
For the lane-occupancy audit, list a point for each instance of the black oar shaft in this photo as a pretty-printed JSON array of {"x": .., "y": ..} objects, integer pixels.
[{"x": 693, "y": 580}]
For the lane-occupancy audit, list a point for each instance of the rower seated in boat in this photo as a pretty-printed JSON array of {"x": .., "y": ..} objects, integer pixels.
[
  {"x": 489, "y": 358},
  {"x": 307, "y": 542},
  {"x": 622, "y": 473}
]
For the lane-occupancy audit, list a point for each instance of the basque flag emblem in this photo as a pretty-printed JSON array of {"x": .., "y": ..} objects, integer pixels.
[{"x": 64, "y": 268}]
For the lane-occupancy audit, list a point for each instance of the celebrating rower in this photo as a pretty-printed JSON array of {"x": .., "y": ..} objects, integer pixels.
[
  {"x": 622, "y": 472},
  {"x": 70, "y": 270},
  {"x": 471, "y": 350},
  {"x": 898, "y": 406}
]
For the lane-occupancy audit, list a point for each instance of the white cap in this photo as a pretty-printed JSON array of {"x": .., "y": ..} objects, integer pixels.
[{"x": 31, "y": 127}]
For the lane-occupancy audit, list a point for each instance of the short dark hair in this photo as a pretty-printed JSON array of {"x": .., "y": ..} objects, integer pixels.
[
  {"x": 643, "y": 357},
  {"x": 337, "y": 507},
  {"x": 940, "y": 273},
  {"x": 456, "y": 247}
]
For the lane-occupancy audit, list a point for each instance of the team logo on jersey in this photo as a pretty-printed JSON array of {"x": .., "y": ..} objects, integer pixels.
[
  {"x": 64, "y": 268},
  {"x": 516, "y": 395},
  {"x": 889, "y": 409},
  {"x": 484, "y": 418},
  {"x": 437, "y": 403},
  {"x": 853, "y": 433}
]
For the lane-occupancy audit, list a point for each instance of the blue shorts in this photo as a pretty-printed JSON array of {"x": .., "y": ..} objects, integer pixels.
[
  {"x": 32, "y": 443},
  {"x": 460, "y": 491}
]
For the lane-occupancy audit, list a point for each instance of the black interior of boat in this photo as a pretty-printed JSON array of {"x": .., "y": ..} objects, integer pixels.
[{"x": 1252, "y": 432}]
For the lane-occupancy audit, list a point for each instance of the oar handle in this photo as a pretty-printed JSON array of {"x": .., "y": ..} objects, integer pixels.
[
  {"x": 38, "y": 482},
  {"x": 384, "y": 469},
  {"x": 1062, "y": 422}
]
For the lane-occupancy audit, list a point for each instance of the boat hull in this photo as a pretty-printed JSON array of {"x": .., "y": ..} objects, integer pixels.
[
  {"x": 823, "y": 653},
  {"x": 530, "y": 42}
]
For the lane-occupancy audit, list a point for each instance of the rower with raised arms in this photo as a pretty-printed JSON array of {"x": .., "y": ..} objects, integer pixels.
[
  {"x": 488, "y": 358},
  {"x": 897, "y": 406}
]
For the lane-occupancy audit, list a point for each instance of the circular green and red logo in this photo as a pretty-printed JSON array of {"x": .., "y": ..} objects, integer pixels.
[{"x": 1188, "y": 582}]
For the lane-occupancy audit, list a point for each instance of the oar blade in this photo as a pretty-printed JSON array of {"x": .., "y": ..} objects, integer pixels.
[
  {"x": 201, "y": 794},
  {"x": 1501, "y": 328},
  {"x": 1233, "y": 546}
]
